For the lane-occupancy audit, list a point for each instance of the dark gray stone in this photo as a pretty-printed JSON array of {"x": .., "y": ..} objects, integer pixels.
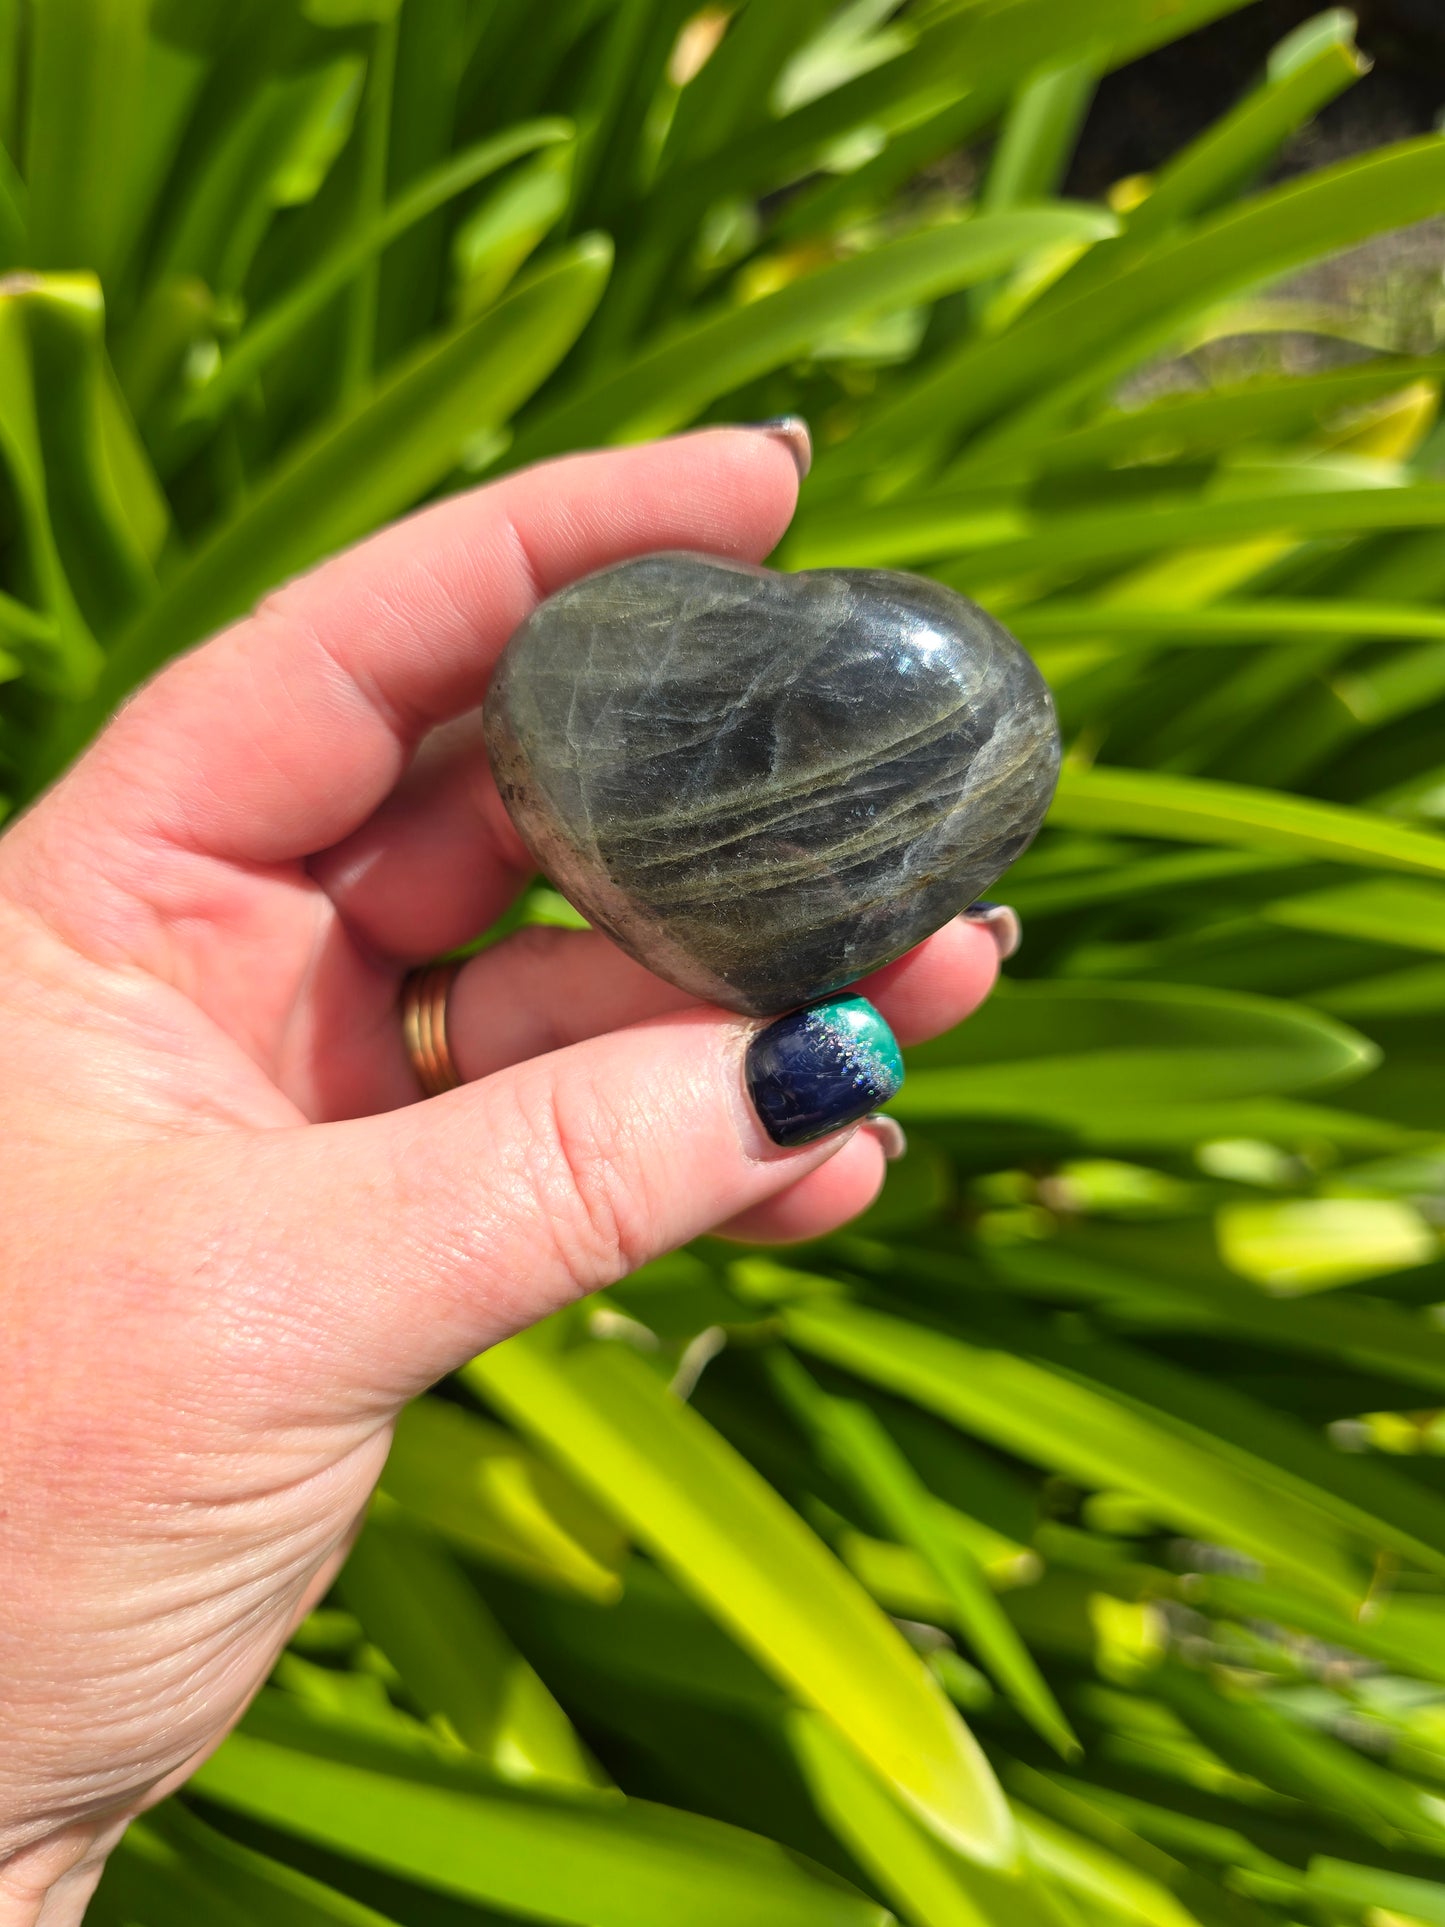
[{"x": 764, "y": 786}]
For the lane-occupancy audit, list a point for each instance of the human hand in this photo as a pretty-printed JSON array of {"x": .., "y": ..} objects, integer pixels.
[{"x": 232, "y": 1241}]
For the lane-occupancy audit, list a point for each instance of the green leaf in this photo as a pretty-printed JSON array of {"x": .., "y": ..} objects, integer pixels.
[
  {"x": 1249, "y": 1733},
  {"x": 1262, "y": 413},
  {"x": 1378, "y": 1510},
  {"x": 565, "y": 1860},
  {"x": 656, "y": 1641},
  {"x": 46, "y": 630},
  {"x": 1194, "y": 810},
  {"x": 731, "y": 92},
  {"x": 370, "y": 148},
  {"x": 1299, "y": 1245},
  {"x": 483, "y": 1490},
  {"x": 430, "y": 51},
  {"x": 1067, "y": 542},
  {"x": 1369, "y": 1334},
  {"x": 84, "y": 119},
  {"x": 1003, "y": 541},
  {"x": 721, "y": 1530},
  {"x": 171, "y": 1870},
  {"x": 1053, "y": 1050},
  {"x": 272, "y": 151},
  {"x": 1034, "y": 144},
  {"x": 351, "y": 474},
  {"x": 1305, "y": 73},
  {"x": 1140, "y": 1826},
  {"x": 1382, "y": 910},
  {"x": 853, "y": 1443},
  {"x": 107, "y": 511},
  {"x": 1048, "y": 1420},
  {"x": 1230, "y": 623},
  {"x": 673, "y": 379},
  {"x": 1098, "y": 1876},
  {"x": 1076, "y": 346},
  {"x": 1405, "y": 1647},
  {"x": 417, "y": 1606},
  {"x": 1375, "y": 1891},
  {"x": 932, "y": 1886},
  {"x": 494, "y": 240},
  {"x": 1231, "y": 153},
  {"x": 274, "y": 330},
  {"x": 1147, "y": 876},
  {"x": 990, "y": 49},
  {"x": 627, "y": 60}
]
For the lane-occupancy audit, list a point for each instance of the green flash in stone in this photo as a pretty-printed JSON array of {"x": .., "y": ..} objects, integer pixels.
[{"x": 764, "y": 786}]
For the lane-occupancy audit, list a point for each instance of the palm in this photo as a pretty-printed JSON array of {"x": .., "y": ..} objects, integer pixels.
[{"x": 291, "y": 991}]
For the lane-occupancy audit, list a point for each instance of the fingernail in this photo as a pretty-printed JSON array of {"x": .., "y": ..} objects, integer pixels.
[
  {"x": 889, "y": 1133},
  {"x": 795, "y": 435},
  {"x": 1002, "y": 924},
  {"x": 815, "y": 1070}
]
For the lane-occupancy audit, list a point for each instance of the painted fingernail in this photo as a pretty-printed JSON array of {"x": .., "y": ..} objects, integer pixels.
[
  {"x": 818, "y": 1069},
  {"x": 1002, "y": 924},
  {"x": 795, "y": 435},
  {"x": 889, "y": 1134}
]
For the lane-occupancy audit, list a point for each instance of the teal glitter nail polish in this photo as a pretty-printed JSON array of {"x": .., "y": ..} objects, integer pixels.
[{"x": 818, "y": 1069}]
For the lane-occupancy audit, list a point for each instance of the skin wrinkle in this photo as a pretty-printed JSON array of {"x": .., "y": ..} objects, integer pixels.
[
  {"x": 292, "y": 1047},
  {"x": 197, "y": 1630},
  {"x": 46, "y": 886},
  {"x": 576, "y": 1143},
  {"x": 279, "y": 699},
  {"x": 201, "y": 831},
  {"x": 452, "y": 767}
]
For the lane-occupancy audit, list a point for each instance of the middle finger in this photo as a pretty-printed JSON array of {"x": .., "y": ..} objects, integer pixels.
[{"x": 543, "y": 989}]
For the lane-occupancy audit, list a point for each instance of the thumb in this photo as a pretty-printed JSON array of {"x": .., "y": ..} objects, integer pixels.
[{"x": 448, "y": 1225}]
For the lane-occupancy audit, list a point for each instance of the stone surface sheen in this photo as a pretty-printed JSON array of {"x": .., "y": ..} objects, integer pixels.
[{"x": 764, "y": 786}]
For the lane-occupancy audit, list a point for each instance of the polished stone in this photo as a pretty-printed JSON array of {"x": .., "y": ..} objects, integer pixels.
[{"x": 764, "y": 786}]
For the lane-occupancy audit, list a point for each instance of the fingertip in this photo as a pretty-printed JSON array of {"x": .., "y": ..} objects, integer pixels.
[
  {"x": 1002, "y": 923},
  {"x": 822, "y": 1201},
  {"x": 939, "y": 983},
  {"x": 757, "y": 471}
]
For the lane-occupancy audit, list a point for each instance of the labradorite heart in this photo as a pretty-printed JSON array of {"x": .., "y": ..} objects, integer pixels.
[{"x": 764, "y": 786}]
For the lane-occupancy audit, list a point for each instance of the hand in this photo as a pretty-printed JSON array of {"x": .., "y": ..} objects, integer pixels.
[{"x": 232, "y": 1241}]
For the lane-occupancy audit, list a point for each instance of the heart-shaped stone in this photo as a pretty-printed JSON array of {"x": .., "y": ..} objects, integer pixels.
[{"x": 764, "y": 786}]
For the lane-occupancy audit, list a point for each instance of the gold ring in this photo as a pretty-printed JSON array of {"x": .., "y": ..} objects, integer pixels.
[{"x": 424, "y": 996}]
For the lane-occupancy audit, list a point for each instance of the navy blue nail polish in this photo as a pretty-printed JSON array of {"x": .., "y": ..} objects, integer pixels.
[{"x": 818, "y": 1069}]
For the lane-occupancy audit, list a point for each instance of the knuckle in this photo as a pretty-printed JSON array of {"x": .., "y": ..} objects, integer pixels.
[{"x": 586, "y": 1177}]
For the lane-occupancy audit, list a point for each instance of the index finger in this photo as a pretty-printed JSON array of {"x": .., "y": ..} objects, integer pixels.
[{"x": 284, "y": 733}]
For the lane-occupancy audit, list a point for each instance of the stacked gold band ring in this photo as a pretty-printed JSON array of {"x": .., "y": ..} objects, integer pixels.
[{"x": 424, "y": 1026}]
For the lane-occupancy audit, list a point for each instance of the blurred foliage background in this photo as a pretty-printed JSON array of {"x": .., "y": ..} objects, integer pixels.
[{"x": 1063, "y": 1546}]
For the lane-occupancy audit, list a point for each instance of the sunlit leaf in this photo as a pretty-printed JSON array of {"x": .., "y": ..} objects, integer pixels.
[
  {"x": 1043, "y": 1417},
  {"x": 703, "y": 1513},
  {"x": 1190, "y": 810},
  {"x": 1055, "y": 1050},
  {"x": 416, "y": 1605},
  {"x": 667, "y": 383},
  {"x": 375, "y": 462},
  {"x": 592, "y": 1863},
  {"x": 481, "y": 1488}
]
